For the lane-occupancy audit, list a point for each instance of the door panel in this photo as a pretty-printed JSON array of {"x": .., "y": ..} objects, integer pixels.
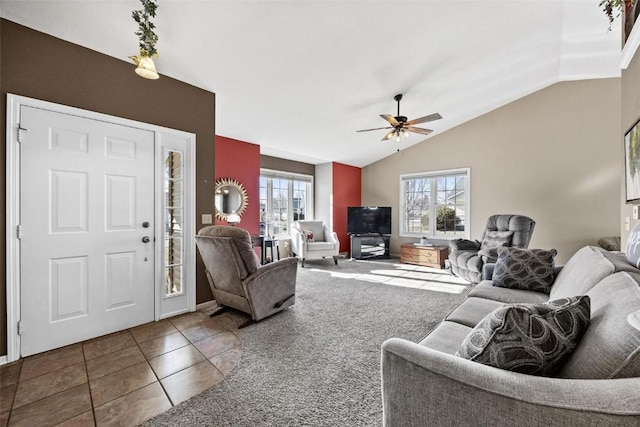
[{"x": 86, "y": 188}]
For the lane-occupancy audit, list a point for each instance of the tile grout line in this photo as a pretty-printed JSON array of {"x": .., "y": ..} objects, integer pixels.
[
  {"x": 86, "y": 371},
  {"x": 154, "y": 372},
  {"x": 13, "y": 401}
]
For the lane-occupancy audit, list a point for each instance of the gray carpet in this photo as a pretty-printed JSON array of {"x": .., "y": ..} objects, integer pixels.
[{"x": 318, "y": 362}]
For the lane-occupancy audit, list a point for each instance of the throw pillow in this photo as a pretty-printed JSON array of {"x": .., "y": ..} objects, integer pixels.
[
  {"x": 534, "y": 339},
  {"x": 492, "y": 241},
  {"x": 529, "y": 269},
  {"x": 308, "y": 235}
]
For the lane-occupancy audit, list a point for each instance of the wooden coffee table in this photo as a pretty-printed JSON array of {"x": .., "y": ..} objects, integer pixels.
[{"x": 428, "y": 256}]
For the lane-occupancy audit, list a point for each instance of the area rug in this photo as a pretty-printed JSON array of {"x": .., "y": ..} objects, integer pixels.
[{"x": 318, "y": 362}]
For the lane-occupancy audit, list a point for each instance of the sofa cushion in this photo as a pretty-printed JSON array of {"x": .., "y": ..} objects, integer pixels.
[
  {"x": 492, "y": 241},
  {"x": 447, "y": 337},
  {"x": 530, "y": 269},
  {"x": 320, "y": 246},
  {"x": 528, "y": 338},
  {"x": 472, "y": 311},
  {"x": 611, "y": 346},
  {"x": 485, "y": 289},
  {"x": 584, "y": 269}
]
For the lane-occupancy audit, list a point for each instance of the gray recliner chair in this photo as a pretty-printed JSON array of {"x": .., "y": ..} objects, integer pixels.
[
  {"x": 467, "y": 257},
  {"x": 238, "y": 280}
]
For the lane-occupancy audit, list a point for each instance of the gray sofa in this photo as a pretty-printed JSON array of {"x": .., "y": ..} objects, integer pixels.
[{"x": 425, "y": 384}]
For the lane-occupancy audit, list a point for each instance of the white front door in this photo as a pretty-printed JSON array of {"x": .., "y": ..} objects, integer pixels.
[{"x": 87, "y": 228}]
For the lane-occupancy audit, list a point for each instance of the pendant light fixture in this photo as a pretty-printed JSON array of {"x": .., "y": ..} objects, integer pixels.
[{"x": 145, "y": 66}]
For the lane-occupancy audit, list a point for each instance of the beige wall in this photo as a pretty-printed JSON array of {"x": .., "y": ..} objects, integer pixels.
[
  {"x": 630, "y": 114},
  {"x": 553, "y": 155}
]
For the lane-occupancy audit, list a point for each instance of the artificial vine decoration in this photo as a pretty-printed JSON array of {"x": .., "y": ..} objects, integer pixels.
[
  {"x": 611, "y": 6},
  {"x": 146, "y": 34}
]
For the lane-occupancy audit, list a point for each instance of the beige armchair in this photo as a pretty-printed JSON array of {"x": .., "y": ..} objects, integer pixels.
[
  {"x": 313, "y": 240},
  {"x": 238, "y": 280}
]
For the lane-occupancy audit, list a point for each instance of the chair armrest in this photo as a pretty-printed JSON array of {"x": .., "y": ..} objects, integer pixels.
[
  {"x": 487, "y": 270},
  {"x": 464, "y": 245},
  {"x": 422, "y": 386},
  {"x": 297, "y": 241},
  {"x": 270, "y": 284},
  {"x": 268, "y": 269}
]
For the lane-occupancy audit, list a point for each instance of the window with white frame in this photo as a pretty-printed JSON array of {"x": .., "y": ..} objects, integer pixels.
[
  {"x": 284, "y": 198},
  {"x": 435, "y": 204}
]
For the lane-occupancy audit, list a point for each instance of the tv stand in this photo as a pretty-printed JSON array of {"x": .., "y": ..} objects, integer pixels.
[{"x": 369, "y": 246}]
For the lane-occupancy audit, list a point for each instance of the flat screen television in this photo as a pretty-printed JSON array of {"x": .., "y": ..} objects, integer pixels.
[{"x": 369, "y": 220}]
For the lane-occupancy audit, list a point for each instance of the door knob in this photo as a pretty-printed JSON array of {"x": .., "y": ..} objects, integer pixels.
[
  {"x": 145, "y": 224},
  {"x": 146, "y": 239}
]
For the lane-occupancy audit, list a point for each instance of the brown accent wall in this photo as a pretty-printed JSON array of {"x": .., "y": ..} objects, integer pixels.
[
  {"x": 37, "y": 65},
  {"x": 278, "y": 164}
]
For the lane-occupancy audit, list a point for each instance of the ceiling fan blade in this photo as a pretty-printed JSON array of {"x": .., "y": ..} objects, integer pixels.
[
  {"x": 389, "y": 135},
  {"x": 418, "y": 130},
  {"x": 429, "y": 118},
  {"x": 367, "y": 130},
  {"x": 390, "y": 119}
]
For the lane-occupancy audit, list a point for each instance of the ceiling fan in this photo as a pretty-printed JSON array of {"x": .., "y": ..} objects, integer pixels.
[{"x": 400, "y": 126}]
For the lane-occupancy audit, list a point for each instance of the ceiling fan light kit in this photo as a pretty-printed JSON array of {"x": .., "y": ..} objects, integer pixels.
[{"x": 400, "y": 126}]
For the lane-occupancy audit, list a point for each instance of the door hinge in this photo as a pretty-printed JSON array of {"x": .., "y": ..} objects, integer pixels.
[
  {"x": 20, "y": 130},
  {"x": 20, "y": 328},
  {"x": 19, "y": 232}
]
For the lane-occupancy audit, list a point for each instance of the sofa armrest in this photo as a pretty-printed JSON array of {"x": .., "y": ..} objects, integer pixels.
[
  {"x": 464, "y": 245},
  {"x": 422, "y": 386}
]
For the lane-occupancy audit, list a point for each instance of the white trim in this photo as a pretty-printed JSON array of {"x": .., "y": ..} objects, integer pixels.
[
  {"x": 14, "y": 102},
  {"x": 277, "y": 173},
  {"x": 12, "y": 221},
  {"x": 630, "y": 47},
  {"x": 205, "y": 305},
  {"x": 172, "y": 305},
  {"x": 439, "y": 173}
]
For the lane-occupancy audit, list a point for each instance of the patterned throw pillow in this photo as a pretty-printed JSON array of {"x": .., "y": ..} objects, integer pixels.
[
  {"x": 533, "y": 339},
  {"x": 530, "y": 269},
  {"x": 308, "y": 235},
  {"x": 492, "y": 241}
]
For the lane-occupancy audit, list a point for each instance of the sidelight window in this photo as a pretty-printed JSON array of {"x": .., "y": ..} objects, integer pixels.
[{"x": 173, "y": 222}]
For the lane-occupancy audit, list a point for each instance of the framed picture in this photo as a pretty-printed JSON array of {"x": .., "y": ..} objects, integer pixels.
[
  {"x": 631, "y": 12},
  {"x": 632, "y": 163}
]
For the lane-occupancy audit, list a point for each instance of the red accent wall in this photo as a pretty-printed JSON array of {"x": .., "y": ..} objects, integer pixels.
[
  {"x": 347, "y": 191},
  {"x": 240, "y": 160}
]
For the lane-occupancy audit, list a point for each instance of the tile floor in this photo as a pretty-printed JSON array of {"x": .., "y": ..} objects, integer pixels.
[{"x": 120, "y": 379}]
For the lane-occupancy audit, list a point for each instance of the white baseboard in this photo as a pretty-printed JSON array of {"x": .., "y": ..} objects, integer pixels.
[{"x": 205, "y": 305}]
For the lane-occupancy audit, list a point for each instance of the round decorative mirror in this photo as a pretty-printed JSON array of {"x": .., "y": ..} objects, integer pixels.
[{"x": 230, "y": 198}]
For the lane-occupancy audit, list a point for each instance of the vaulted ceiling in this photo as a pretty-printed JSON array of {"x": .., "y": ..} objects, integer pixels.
[{"x": 300, "y": 77}]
